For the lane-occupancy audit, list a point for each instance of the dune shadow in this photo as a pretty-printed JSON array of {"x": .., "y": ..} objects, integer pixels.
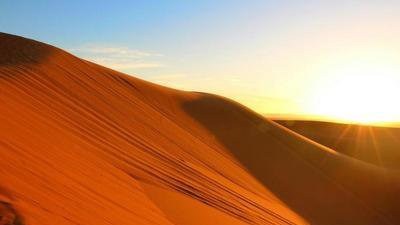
[
  {"x": 8, "y": 215},
  {"x": 15, "y": 50},
  {"x": 257, "y": 144}
]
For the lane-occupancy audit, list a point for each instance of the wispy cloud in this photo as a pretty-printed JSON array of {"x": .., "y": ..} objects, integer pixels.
[{"x": 119, "y": 58}]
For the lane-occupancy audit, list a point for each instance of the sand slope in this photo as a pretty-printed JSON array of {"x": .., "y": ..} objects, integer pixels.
[
  {"x": 82, "y": 144},
  {"x": 372, "y": 144}
]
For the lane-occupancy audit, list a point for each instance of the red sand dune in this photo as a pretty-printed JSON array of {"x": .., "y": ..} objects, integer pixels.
[
  {"x": 373, "y": 144},
  {"x": 83, "y": 144}
]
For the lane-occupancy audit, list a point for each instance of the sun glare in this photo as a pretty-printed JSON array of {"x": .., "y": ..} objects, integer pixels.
[{"x": 360, "y": 93}]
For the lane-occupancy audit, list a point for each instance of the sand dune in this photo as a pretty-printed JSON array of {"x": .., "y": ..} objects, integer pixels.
[
  {"x": 373, "y": 144},
  {"x": 83, "y": 144}
]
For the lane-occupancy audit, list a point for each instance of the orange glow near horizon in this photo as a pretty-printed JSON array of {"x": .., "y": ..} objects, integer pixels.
[{"x": 363, "y": 92}]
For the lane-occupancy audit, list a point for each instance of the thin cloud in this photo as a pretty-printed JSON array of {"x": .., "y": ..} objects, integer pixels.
[{"x": 119, "y": 58}]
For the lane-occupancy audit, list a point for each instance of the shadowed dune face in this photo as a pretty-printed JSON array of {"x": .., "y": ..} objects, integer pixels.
[
  {"x": 303, "y": 175},
  {"x": 16, "y": 51},
  {"x": 83, "y": 144},
  {"x": 8, "y": 215},
  {"x": 376, "y": 145}
]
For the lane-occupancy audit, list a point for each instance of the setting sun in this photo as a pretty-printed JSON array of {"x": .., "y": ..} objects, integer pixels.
[{"x": 360, "y": 92}]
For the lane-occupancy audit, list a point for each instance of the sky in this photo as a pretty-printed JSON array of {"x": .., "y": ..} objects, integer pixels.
[{"x": 276, "y": 57}]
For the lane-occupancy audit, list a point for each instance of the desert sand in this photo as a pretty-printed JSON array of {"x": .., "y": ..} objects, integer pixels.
[
  {"x": 378, "y": 145},
  {"x": 83, "y": 144}
]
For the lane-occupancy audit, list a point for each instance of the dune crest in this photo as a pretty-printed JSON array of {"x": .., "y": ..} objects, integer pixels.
[{"x": 83, "y": 144}]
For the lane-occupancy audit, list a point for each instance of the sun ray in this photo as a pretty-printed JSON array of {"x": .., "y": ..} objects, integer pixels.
[
  {"x": 342, "y": 134},
  {"x": 357, "y": 141},
  {"x": 375, "y": 146}
]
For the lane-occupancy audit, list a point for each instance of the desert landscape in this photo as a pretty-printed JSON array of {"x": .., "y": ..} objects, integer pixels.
[
  {"x": 84, "y": 144},
  {"x": 227, "y": 112}
]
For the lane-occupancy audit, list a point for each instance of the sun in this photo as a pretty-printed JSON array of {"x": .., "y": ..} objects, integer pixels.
[{"x": 360, "y": 93}]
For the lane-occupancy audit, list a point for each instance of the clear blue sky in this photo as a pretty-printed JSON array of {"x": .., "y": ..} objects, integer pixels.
[{"x": 269, "y": 55}]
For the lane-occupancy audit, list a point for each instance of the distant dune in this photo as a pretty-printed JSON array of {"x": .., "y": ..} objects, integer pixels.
[
  {"x": 83, "y": 144},
  {"x": 372, "y": 144}
]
